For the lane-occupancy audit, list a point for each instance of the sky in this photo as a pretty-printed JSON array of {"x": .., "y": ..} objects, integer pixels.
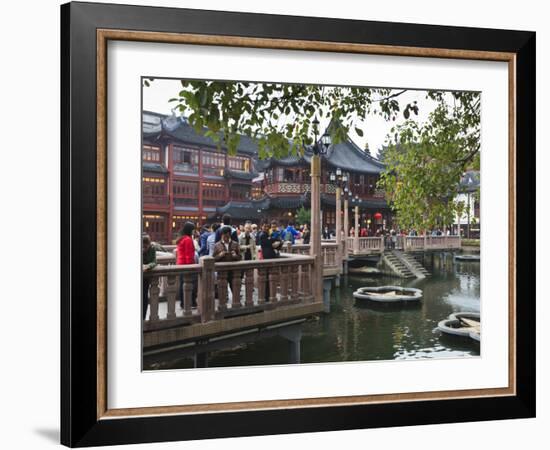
[{"x": 375, "y": 127}]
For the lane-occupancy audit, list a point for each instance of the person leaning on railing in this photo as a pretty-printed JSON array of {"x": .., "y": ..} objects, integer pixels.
[
  {"x": 270, "y": 243},
  {"x": 149, "y": 261},
  {"x": 186, "y": 255},
  {"x": 227, "y": 250}
]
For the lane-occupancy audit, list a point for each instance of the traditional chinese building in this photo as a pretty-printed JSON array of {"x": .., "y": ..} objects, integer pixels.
[
  {"x": 286, "y": 184},
  {"x": 186, "y": 178},
  {"x": 469, "y": 221}
]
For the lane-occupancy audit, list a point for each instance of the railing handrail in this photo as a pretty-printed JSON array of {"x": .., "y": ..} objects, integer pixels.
[
  {"x": 291, "y": 259},
  {"x": 172, "y": 269},
  {"x": 175, "y": 269}
]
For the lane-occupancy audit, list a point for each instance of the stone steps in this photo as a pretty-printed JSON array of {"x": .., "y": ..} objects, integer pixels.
[
  {"x": 412, "y": 264},
  {"x": 397, "y": 266}
]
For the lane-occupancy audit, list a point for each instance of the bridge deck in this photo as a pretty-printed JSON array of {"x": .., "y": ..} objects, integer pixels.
[
  {"x": 270, "y": 291},
  {"x": 199, "y": 331}
]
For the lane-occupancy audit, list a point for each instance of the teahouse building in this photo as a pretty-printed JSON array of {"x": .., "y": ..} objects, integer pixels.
[{"x": 186, "y": 178}]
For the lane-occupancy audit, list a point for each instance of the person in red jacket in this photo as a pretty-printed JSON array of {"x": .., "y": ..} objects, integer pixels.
[{"x": 185, "y": 254}]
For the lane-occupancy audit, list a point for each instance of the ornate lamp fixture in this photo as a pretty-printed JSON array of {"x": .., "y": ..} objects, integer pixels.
[{"x": 320, "y": 147}]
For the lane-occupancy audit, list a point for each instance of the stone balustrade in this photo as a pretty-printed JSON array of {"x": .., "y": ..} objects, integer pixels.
[
  {"x": 331, "y": 256},
  {"x": 363, "y": 245},
  {"x": 226, "y": 289},
  {"x": 419, "y": 243},
  {"x": 367, "y": 244}
]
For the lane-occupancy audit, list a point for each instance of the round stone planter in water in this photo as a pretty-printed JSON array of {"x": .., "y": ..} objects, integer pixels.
[
  {"x": 465, "y": 324},
  {"x": 388, "y": 294}
]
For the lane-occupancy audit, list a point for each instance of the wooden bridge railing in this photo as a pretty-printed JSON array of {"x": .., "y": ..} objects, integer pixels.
[
  {"x": 363, "y": 245},
  {"x": 370, "y": 245},
  {"x": 419, "y": 243},
  {"x": 412, "y": 243},
  {"x": 332, "y": 256},
  {"x": 254, "y": 287}
]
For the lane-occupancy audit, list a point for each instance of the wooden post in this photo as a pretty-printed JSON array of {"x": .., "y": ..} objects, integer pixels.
[
  {"x": 154, "y": 300},
  {"x": 236, "y": 289},
  {"x": 315, "y": 241},
  {"x": 223, "y": 296},
  {"x": 249, "y": 287},
  {"x": 339, "y": 256},
  {"x": 273, "y": 284},
  {"x": 284, "y": 284},
  {"x": 346, "y": 226},
  {"x": 356, "y": 234},
  {"x": 187, "y": 294},
  {"x": 295, "y": 284},
  {"x": 171, "y": 291},
  {"x": 262, "y": 281},
  {"x": 205, "y": 298}
]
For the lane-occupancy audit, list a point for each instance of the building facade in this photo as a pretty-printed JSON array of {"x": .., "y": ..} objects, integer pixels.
[
  {"x": 469, "y": 222},
  {"x": 286, "y": 184},
  {"x": 186, "y": 178}
]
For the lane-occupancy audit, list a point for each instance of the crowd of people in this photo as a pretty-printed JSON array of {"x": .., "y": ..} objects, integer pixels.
[
  {"x": 241, "y": 241},
  {"x": 225, "y": 243},
  {"x": 247, "y": 242}
]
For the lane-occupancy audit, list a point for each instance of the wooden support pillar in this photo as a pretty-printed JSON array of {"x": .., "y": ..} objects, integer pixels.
[
  {"x": 356, "y": 234},
  {"x": 206, "y": 299},
  {"x": 346, "y": 226},
  {"x": 326, "y": 294},
  {"x": 294, "y": 337},
  {"x": 294, "y": 356},
  {"x": 200, "y": 359},
  {"x": 315, "y": 241},
  {"x": 338, "y": 216},
  {"x": 339, "y": 255}
]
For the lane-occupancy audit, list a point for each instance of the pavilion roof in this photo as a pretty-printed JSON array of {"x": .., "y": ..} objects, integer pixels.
[
  {"x": 254, "y": 209},
  {"x": 156, "y": 125},
  {"x": 470, "y": 181},
  {"x": 345, "y": 155},
  {"x": 154, "y": 167},
  {"x": 249, "y": 176}
]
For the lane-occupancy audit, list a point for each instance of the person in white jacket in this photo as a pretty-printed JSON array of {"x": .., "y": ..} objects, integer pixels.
[{"x": 247, "y": 244}]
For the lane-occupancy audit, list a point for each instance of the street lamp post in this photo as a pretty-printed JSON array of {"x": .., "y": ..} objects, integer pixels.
[
  {"x": 346, "y": 219},
  {"x": 356, "y": 235},
  {"x": 339, "y": 179},
  {"x": 319, "y": 148}
]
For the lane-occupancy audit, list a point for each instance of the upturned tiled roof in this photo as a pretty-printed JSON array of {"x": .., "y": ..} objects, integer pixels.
[{"x": 345, "y": 155}]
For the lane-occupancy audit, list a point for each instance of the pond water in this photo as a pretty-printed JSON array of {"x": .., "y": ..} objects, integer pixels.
[{"x": 358, "y": 330}]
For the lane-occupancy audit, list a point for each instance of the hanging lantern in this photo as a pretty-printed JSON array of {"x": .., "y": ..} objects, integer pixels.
[{"x": 377, "y": 216}]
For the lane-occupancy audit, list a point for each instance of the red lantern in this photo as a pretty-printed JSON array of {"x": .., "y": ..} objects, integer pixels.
[{"x": 377, "y": 216}]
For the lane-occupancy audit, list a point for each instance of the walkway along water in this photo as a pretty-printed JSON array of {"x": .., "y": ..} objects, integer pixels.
[
  {"x": 291, "y": 302},
  {"x": 358, "y": 331}
]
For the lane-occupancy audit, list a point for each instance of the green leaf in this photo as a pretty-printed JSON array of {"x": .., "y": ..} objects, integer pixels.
[{"x": 359, "y": 131}]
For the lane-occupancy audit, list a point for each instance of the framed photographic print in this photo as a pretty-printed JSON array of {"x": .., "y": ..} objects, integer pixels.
[{"x": 278, "y": 224}]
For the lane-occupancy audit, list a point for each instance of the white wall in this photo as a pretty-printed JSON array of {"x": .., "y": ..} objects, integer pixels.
[
  {"x": 29, "y": 390},
  {"x": 469, "y": 207}
]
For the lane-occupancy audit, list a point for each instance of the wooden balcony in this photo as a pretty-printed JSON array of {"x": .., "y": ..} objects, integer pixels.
[
  {"x": 156, "y": 200},
  {"x": 268, "y": 291}
]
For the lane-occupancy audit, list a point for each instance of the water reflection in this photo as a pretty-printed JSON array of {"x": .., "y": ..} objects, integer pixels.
[{"x": 363, "y": 331}]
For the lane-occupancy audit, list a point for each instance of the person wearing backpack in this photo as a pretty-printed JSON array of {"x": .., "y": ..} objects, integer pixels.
[
  {"x": 290, "y": 233},
  {"x": 226, "y": 222}
]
